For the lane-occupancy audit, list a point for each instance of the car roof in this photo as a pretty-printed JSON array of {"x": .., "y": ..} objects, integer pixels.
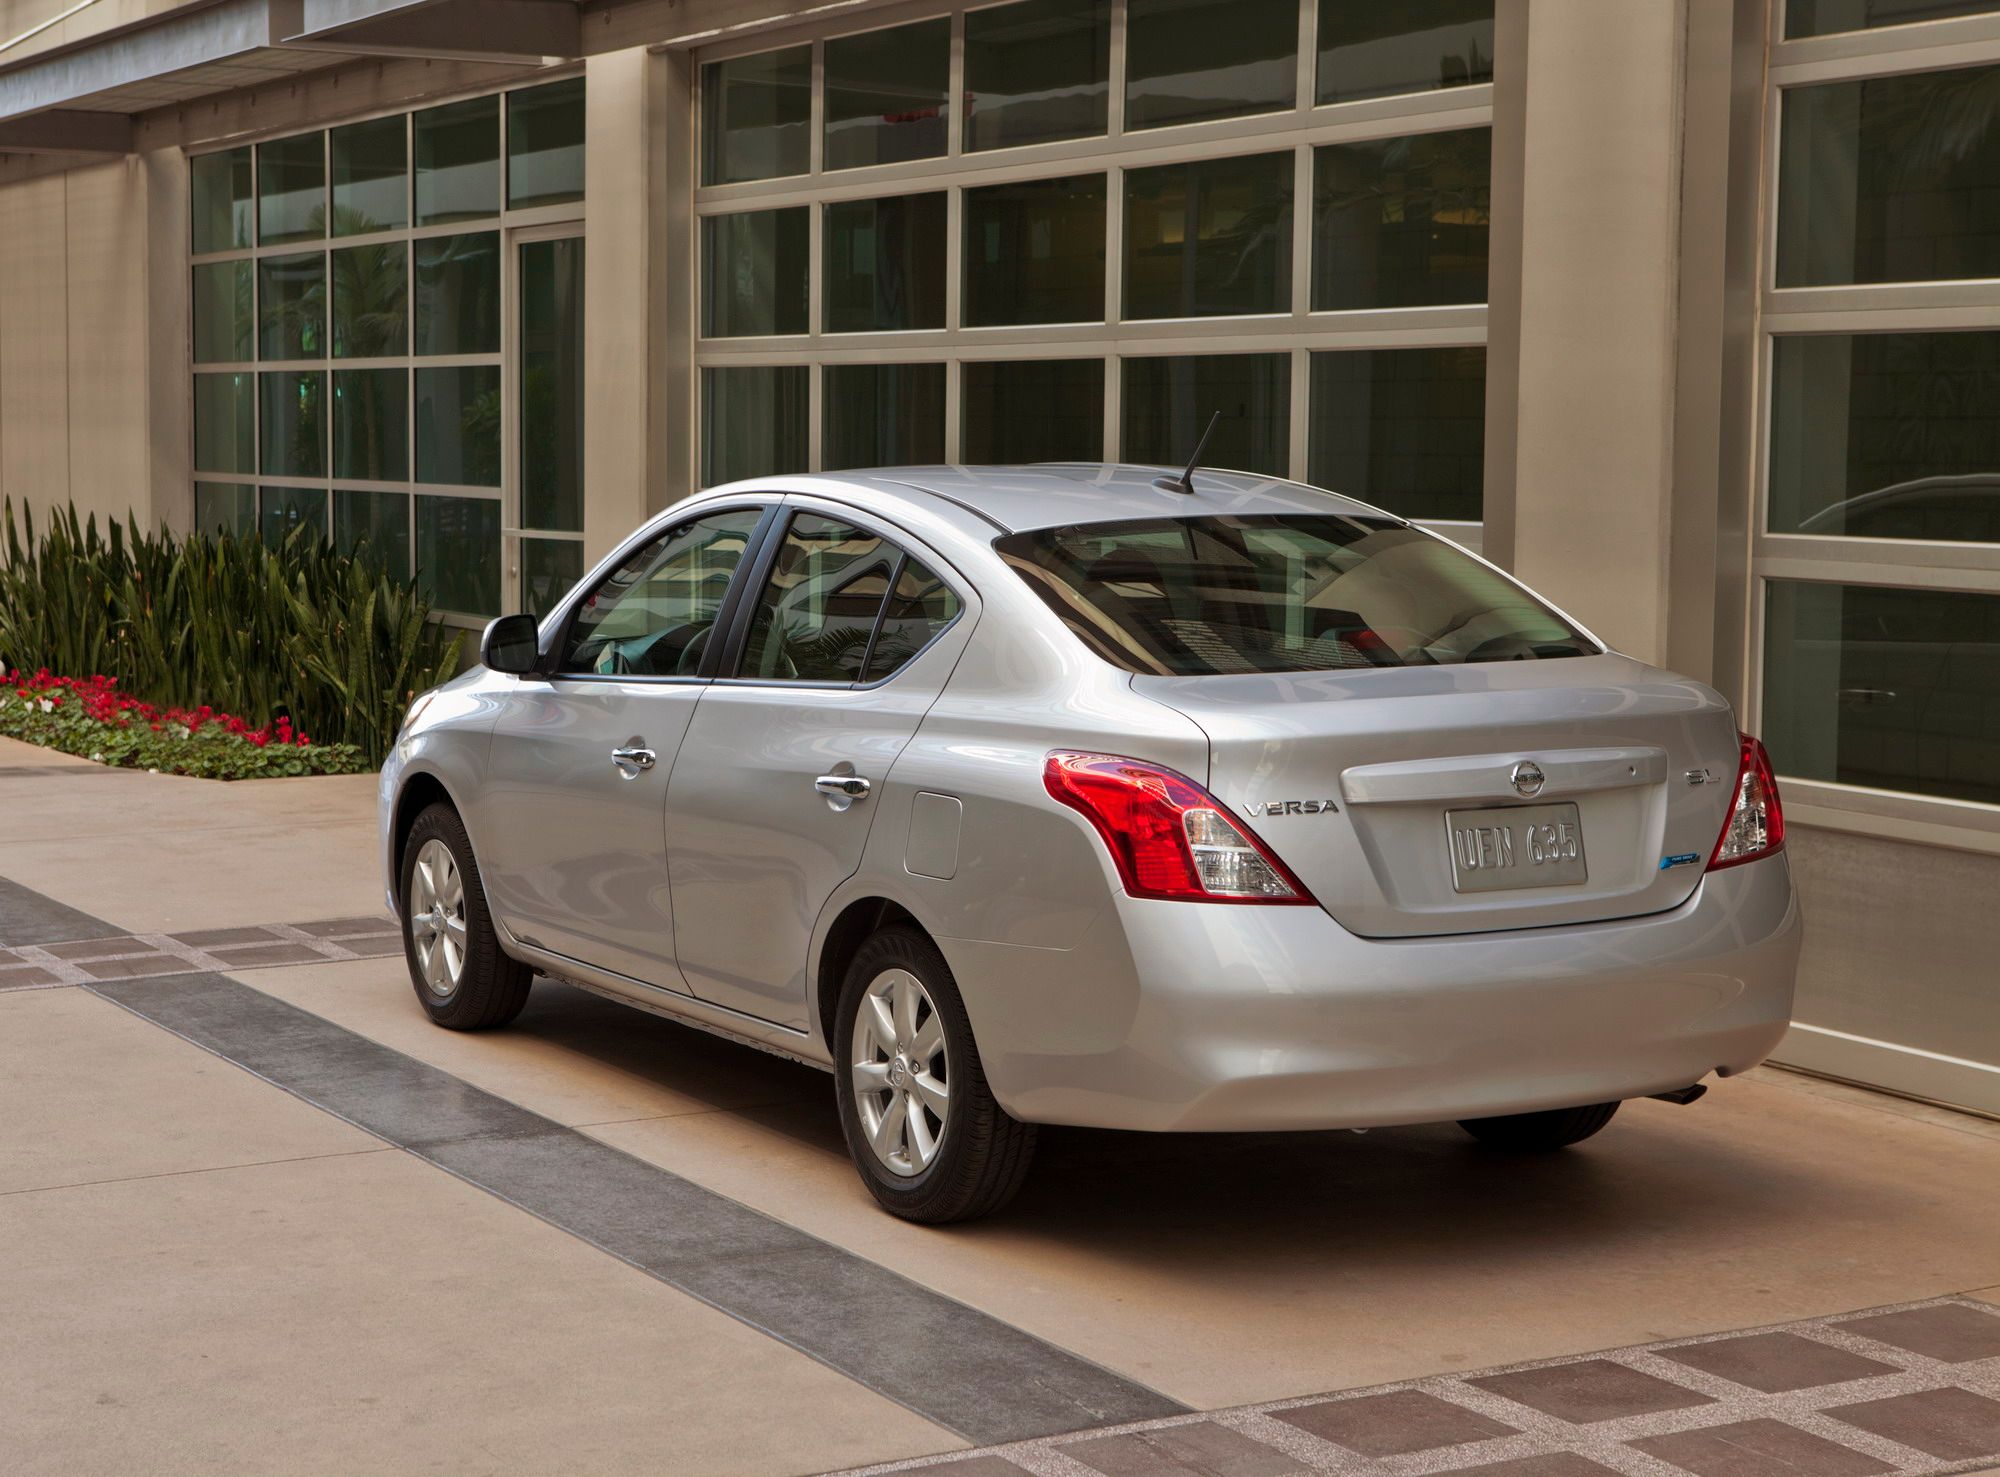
[{"x": 1057, "y": 494}]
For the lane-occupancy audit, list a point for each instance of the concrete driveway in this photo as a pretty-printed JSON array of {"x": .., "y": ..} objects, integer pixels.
[{"x": 258, "y": 1215}]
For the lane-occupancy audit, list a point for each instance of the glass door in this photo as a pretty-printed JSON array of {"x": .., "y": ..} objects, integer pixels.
[{"x": 548, "y": 418}]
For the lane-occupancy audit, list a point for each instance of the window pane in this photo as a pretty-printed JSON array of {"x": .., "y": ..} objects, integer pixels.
[
  {"x": 1410, "y": 46},
  {"x": 458, "y": 553},
  {"x": 885, "y": 94},
  {"x": 885, "y": 264},
  {"x": 371, "y": 177},
  {"x": 755, "y": 267},
  {"x": 291, "y": 189},
  {"x": 921, "y": 606},
  {"x": 1208, "y": 238},
  {"x": 1189, "y": 60},
  {"x": 1892, "y": 689},
  {"x": 225, "y": 507},
  {"x": 653, "y": 614},
  {"x": 222, "y": 315},
  {"x": 377, "y": 522},
  {"x": 219, "y": 185},
  {"x": 458, "y": 294},
  {"x": 1404, "y": 429},
  {"x": 753, "y": 421},
  {"x": 1034, "y": 252},
  {"x": 224, "y": 429},
  {"x": 1821, "y": 17},
  {"x": 1028, "y": 410},
  {"x": 292, "y": 423},
  {"x": 1036, "y": 71},
  {"x": 552, "y": 384},
  {"x": 550, "y": 568},
  {"x": 1168, "y": 402},
  {"x": 1402, "y": 223},
  {"x": 291, "y": 294},
  {"x": 282, "y": 509},
  {"x": 458, "y": 161},
  {"x": 883, "y": 415},
  {"x": 545, "y": 144},
  {"x": 819, "y": 607},
  {"x": 458, "y": 425},
  {"x": 371, "y": 296},
  {"x": 1890, "y": 180},
  {"x": 371, "y": 424},
  {"x": 755, "y": 115}
]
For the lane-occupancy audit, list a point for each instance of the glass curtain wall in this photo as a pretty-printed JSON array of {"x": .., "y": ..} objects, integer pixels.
[
  {"x": 1074, "y": 229},
  {"x": 350, "y": 341}
]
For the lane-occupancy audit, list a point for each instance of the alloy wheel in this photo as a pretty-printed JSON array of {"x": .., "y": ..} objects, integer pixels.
[
  {"x": 901, "y": 1073},
  {"x": 436, "y": 908}
]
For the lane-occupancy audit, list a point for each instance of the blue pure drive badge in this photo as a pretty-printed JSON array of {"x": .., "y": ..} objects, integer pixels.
[{"x": 1679, "y": 859}]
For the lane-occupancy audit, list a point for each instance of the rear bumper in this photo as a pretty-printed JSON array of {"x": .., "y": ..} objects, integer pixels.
[{"x": 1173, "y": 1016}]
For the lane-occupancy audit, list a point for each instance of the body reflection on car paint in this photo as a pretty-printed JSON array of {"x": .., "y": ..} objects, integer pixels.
[{"x": 1083, "y": 795}]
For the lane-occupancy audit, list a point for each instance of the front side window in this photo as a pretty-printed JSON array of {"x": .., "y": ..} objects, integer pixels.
[
  {"x": 653, "y": 616},
  {"x": 1281, "y": 593}
]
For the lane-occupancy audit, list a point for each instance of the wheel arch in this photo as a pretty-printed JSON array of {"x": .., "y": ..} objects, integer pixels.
[
  {"x": 851, "y": 927},
  {"x": 421, "y": 789}
]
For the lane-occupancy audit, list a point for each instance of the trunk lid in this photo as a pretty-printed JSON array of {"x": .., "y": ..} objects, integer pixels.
[{"x": 1430, "y": 828}]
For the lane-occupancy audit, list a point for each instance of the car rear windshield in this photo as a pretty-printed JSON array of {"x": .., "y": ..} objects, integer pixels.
[{"x": 1281, "y": 593}]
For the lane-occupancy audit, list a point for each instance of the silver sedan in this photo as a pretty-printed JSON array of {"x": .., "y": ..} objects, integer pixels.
[{"x": 1087, "y": 795}]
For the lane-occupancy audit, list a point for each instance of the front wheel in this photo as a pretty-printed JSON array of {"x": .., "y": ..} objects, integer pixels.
[
  {"x": 1531, "y": 1133},
  {"x": 463, "y": 978},
  {"x": 923, "y": 1129}
]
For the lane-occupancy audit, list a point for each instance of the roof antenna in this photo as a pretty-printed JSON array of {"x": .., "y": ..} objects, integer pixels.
[{"x": 1185, "y": 482}]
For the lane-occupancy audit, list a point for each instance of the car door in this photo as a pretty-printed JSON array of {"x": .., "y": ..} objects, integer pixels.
[
  {"x": 846, "y": 642},
  {"x": 580, "y": 759}
]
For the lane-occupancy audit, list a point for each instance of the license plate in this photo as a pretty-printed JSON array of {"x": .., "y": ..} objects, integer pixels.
[{"x": 1514, "y": 846}]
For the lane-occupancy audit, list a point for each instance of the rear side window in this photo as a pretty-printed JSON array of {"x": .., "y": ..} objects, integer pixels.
[
  {"x": 920, "y": 606},
  {"x": 1281, "y": 593}
]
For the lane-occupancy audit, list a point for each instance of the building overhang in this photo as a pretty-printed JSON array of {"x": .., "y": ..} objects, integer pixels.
[{"x": 530, "y": 32}]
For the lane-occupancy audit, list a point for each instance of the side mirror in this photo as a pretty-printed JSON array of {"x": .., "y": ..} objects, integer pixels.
[{"x": 512, "y": 644}]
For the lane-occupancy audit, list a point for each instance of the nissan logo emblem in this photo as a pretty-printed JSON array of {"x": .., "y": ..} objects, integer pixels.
[{"x": 1528, "y": 778}]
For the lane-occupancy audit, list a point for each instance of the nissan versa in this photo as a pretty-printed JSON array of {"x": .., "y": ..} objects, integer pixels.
[{"x": 1092, "y": 795}]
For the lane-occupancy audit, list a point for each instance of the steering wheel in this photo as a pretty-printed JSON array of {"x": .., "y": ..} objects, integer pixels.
[{"x": 691, "y": 651}]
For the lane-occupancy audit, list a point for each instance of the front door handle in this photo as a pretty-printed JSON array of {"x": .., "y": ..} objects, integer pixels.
[
  {"x": 842, "y": 786},
  {"x": 633, "y": 761}
]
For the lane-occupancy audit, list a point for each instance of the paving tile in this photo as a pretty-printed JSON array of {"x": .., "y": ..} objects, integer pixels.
[
  {"x": 1759, "y": 1448},
  {"x": 16, "y": 975},
  {"x": 338, "y": 927},
  {"x": 132, "y": 969},
  {"x": 98, "y": 948},
  {"x": 251, "y": 956},
  {"x": 372, "y": 948},
  {"x": 1951, "y": 1423},
  {"x": 979, "y": 1466},
  {"x": 1554, "y": 1464},
  {"x": 1777, "y": 1362},
  {"x": 1200, "y": 1449},
  {"x": 1393, "y": 1424},
  {"x": 1948, "y": 1331},
  {"x": 205, "y": 938},
  {"x": 1591, "y": 1390}
]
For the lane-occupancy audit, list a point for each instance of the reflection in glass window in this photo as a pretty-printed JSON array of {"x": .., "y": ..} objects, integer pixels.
[
  {"x": 458, "y": 425},
  {"x": 1823, "y": 17},
  {"x": 224, "y": 429},
  {"x": 371, "y": 177},
  {"x": 551, "y": 384},
  {"x": 817, "y": 613},
  {"x": 292, "y": 293},
  {"x": 376, "y": 524},
  {"x": 1034, "y": 252},
  {"x": 1402, "y": 222},
  {"x": 458, "y": 294},
  {"x": 1886, "y": 435},
  {"x": 221, "y": 312},
  {"x": 371, "y": 424},
  {"x": 458, "y": 553},
  {"x": 886, "y": 93},
  {"x": 756, "y": 116},
  {"x": 280, "y": 510},
  {"x": 1168, "y": 402},
  {"x": 1191, "y": 60},
  {"x": 1033, "y": 410},
  {"x": 753, "y": 421},
  {"x": 1410, "y": 46},
  {"x": 1036, "y": 71},
  {"x": 371, "y": 297},
  {"x": 291, "y": 189},
  {"x": 291, "y": 423},
  {"x": 756, "y": 268},
  {"x": 1404, "y": 429},
  {"x": 883, "y": 415},
  {"x": 225, "y": 508},
  {"x": 545, "y": 144},
  {"x": 219, "y": 194},
  {"x": 458, "y": 161},
  {"x": 653, "y": 615},
  {"x": 1209, "y": 237},
  {"x": 550, "y": 568},
  {"x": 1889, "y": 179},
  {"x": 885, "y": 264},
  {"x": 1891, "y": 689},
  {"x": 920, "y": 606}
]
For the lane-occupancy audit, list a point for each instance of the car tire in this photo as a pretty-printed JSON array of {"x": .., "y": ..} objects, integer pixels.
[
  {"x": 1535, "y": 1133},
  {"x": 980, "y": 1155},
  {"x": 463, "y": 978}
]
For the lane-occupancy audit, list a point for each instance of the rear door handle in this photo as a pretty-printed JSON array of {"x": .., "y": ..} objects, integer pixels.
[
  {"x": 842, "y": 786},
  {"x": 632, "y": 761}
]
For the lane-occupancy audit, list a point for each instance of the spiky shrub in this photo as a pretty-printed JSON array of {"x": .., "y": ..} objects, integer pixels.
[{"x": 296, "y": 630}]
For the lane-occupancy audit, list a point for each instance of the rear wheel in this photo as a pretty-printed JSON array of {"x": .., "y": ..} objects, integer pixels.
[
  {"x": 463, "y": 978},
  {"x": 923, "y": 1129},
  {"x": 1530, "y": 1133}
]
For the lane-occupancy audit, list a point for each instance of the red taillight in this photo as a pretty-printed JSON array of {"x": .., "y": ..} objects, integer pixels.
[
  {"x": 1169, "y": 837},
  {"x": 1755, "y": 825}
]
